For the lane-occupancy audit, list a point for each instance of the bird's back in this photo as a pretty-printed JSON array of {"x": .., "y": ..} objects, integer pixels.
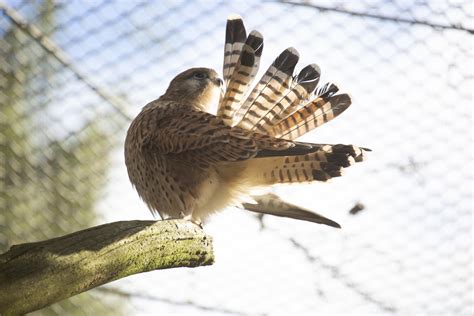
[{"x": 167, "y": 183}]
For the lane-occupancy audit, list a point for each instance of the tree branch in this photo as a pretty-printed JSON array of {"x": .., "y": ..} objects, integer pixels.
[{"x": 35, "y": 275}]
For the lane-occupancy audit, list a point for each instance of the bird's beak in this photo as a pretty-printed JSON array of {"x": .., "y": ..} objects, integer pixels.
[{"x": 220, "y": 83}]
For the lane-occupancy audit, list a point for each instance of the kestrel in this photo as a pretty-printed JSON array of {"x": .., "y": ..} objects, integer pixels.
[{"x": 188, "y": 163}]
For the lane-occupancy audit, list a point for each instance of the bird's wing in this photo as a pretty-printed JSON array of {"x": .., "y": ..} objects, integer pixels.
[
  {"x": 242, "y": 77},
  {"x": 205, "y": 138},
  {"x": 315, "y": 113},
  {"x": 304, "y": 85},
  {"x": 234, "y": 41},
  {"x": 275, "y": 83},
  {"x": 241, "y": 62},
  {"x": 322, "y": 164},
  {"x": 272, "y": 204}
]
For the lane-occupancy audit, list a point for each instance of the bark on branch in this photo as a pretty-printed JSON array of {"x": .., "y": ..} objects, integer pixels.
[{"x": 35, "y": 275}]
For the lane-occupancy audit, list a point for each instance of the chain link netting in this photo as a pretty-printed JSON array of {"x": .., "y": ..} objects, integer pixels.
[{"x": 74, "y": 73}]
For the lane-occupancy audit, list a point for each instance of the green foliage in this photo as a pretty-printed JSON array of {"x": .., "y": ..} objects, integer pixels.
[{"x": 49, "y": 186}]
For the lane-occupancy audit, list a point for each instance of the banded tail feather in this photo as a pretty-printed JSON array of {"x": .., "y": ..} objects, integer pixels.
[
  {"x": 270, "y": 171},
  {"x": 272, "y": 204},
  {"x": 255, "y": 40},
  {"x": 276, "y": 106},
  {"x": 242, "y": 77},
  {"x": 312, "y": 115},
  {"x": 325, "y": 162},
  {"x": 358, "y": 153},
  {"x": 308, "y": 77},
  {"x": 326, "y": 90},
  {"x": 237, "y": 86},
  {"x": 274, "y": 84},
  {"x": 235, "y": 36},
  {"x": 340, "y": 154},
  {"x": 305, "y": 83}
]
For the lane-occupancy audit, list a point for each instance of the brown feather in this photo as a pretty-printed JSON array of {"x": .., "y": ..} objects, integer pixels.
[
  {"x": 272, "y": 86},
  {"x": 271, "y": 204}
]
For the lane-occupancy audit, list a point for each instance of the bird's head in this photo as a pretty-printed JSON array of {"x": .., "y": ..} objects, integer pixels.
[{"x": 199, "y": 87}]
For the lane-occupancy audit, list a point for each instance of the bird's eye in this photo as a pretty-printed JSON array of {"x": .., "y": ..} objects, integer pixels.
[{"x": 200, "y": 75}]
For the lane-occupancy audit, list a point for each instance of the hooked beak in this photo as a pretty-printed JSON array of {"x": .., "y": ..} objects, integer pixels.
[{"x": 220, "y": 83}]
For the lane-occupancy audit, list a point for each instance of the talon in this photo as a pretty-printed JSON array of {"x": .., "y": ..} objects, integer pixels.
[{"x": 193, "y": 220}]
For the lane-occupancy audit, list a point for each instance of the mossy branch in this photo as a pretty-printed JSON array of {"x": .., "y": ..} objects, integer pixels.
[{"x": 35, "y": 275}]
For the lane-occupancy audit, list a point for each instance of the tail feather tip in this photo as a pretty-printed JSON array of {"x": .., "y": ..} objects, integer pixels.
[{"x": 234, "y": 16}]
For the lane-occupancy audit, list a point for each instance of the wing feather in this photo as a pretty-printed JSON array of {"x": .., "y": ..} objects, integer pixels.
[
  {"x": 312, "y": 115},
  {"x": 272, "y": 204},
  {"x": 235, "y": 36},
  {"x": 305, "y": 83},
  {"x": 242, "y": 77},
  {"x": 203, "y": 138},
  {"x": 272, "y": 86}
]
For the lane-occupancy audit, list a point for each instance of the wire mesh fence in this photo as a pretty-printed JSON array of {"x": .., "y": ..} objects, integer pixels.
[{"x": 74, "y": 73}]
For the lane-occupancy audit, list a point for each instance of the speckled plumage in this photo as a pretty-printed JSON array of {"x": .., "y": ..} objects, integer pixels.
[{"x": 186, "y": 162}]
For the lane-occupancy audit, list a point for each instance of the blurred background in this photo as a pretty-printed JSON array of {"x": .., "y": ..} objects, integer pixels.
[{"x": 74, "y": 73}]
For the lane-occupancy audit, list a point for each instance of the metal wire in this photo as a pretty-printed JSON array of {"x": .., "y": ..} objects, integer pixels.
[{"x": 73, "y": 74}]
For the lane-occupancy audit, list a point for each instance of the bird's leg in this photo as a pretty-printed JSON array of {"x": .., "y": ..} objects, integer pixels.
[{"x": 192, "y": 220}]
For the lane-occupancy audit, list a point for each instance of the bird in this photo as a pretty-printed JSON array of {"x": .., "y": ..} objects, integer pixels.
[{"x": 186, "y": 162}]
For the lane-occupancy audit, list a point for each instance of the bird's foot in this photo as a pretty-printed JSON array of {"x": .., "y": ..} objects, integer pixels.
[{"x": 193, "y": 220}]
